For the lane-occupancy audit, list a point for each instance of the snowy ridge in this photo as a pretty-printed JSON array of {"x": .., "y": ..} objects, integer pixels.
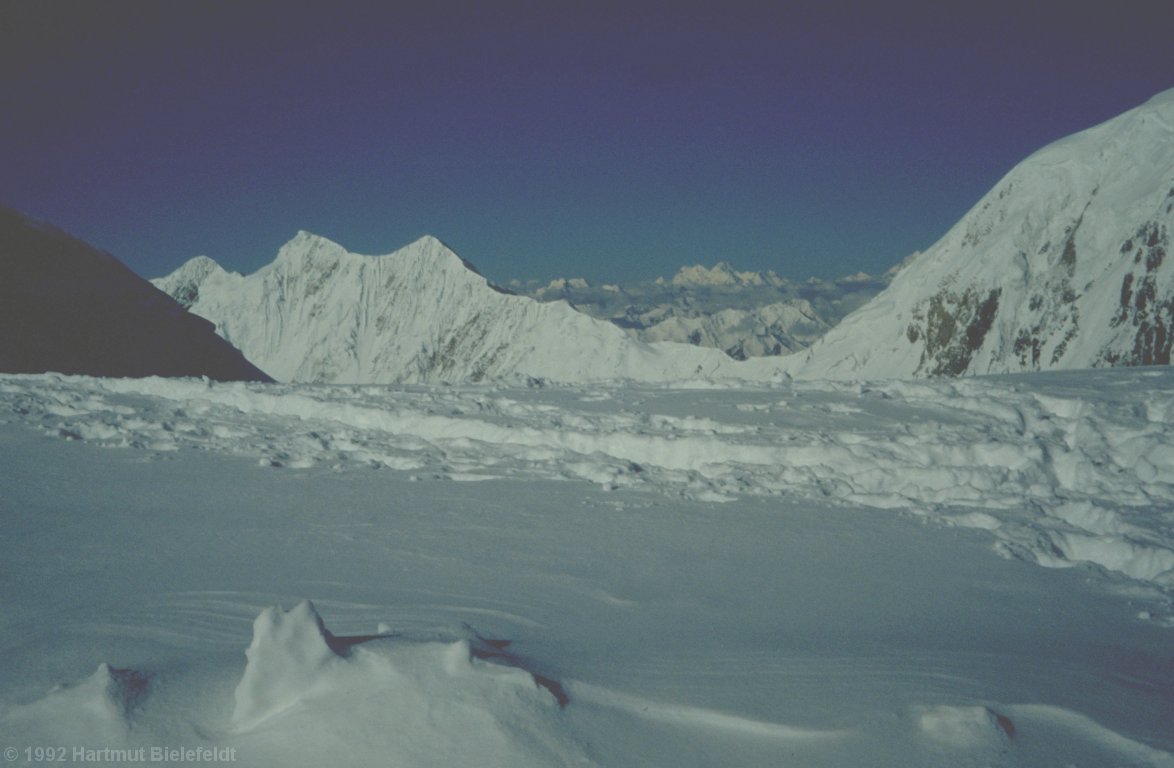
[
  {"x": 1061, "y": 266},
  {"x": 1058, "y": 470},
  {"x": 321, "y": 314}
]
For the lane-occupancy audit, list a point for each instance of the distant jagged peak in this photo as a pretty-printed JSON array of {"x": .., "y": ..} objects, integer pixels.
[
  {"x": 432, "y": 253},
  {"x": 720, "y": 274},
  {"x": 307, "y": 247},
  {"x": 561, "y": 286},
  {"x": 184, "y": 284},
  {"x": 198, "y": 268},
  {"x": 429, "y": 247}
]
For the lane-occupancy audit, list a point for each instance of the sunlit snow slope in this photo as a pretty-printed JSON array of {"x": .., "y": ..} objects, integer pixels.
[
  {"x": 1062, "y": 265},
  {"x": 321, "y": 314}
]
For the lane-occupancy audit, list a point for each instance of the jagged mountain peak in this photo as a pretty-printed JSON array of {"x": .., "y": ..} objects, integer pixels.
[
  {"x": 199, "y": 268},
  {"x": 184, "y": 284},
  {"x": 306, "y": 247},
  {"x": 427, "y": 252},
  {"x": 422, "y": 313}
]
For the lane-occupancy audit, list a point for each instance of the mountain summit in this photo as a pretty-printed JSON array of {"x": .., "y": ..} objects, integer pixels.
[
  {"x": 1061, "y": 266},
  {"x": 319, "y": 313}
]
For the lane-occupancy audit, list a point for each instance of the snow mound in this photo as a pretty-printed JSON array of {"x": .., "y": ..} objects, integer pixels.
[
  {"x": 307, "y": 695},
  {"x": 1077, "y": 739},
  {"x": 966, "y": 727},
  {"x": 289, "y": 653},
  {"x": 97, "y": 710}
]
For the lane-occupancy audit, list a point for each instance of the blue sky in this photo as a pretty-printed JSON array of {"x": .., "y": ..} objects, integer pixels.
[{"x": 613, "y": 141}]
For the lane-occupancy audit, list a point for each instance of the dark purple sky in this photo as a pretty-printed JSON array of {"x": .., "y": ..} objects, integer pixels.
[{"x": 614, "y": 141}]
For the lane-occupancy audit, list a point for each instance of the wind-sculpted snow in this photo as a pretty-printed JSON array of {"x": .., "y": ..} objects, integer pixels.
[
  {"x": 422, "y": 701},
  {"x": 447, "y": 701},
  {"x": 1060, "y": 469}
]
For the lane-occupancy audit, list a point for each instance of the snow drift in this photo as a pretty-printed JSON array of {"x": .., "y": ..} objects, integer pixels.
[{"x": 424, "y": 701}]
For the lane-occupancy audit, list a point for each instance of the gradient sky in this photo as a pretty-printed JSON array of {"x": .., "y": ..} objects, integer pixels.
[{"x": 613, "y": 141}]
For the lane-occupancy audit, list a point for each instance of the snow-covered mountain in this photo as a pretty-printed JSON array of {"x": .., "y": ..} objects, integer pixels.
[
  {"x": 1061, "y": 266},
  {"x": 67, "y": 307},
  {"x": 319, "y": 313},
  {"x": 723, "y": 275}
]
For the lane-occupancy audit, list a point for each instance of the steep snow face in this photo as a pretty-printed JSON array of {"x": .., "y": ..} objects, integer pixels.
[
  {"x": 65, "y": 306},
  {"x": 1061, "y": 266},
  {"x": 321, "y": 314}
]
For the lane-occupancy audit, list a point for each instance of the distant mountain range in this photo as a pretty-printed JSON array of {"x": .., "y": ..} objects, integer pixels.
[
  {"x": 746, "y": 314},
  {"x": 1062, "y": 265},
  {"x": 69, "y": 308}
]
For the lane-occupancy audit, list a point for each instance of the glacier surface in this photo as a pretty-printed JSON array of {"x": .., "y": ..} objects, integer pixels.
[{"x": 968, "y": 572}]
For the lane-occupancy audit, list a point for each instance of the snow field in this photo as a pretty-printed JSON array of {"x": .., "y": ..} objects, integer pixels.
[
  {"x": 665, "y": 576},
  {"x": 1062, "y": 469}
]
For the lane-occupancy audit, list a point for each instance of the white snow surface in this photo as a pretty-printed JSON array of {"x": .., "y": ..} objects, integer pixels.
[
  {"x": 1062, "y": 265},
  {"x": 319, "y": 313},
  {"x": 810, "y": 574}
]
